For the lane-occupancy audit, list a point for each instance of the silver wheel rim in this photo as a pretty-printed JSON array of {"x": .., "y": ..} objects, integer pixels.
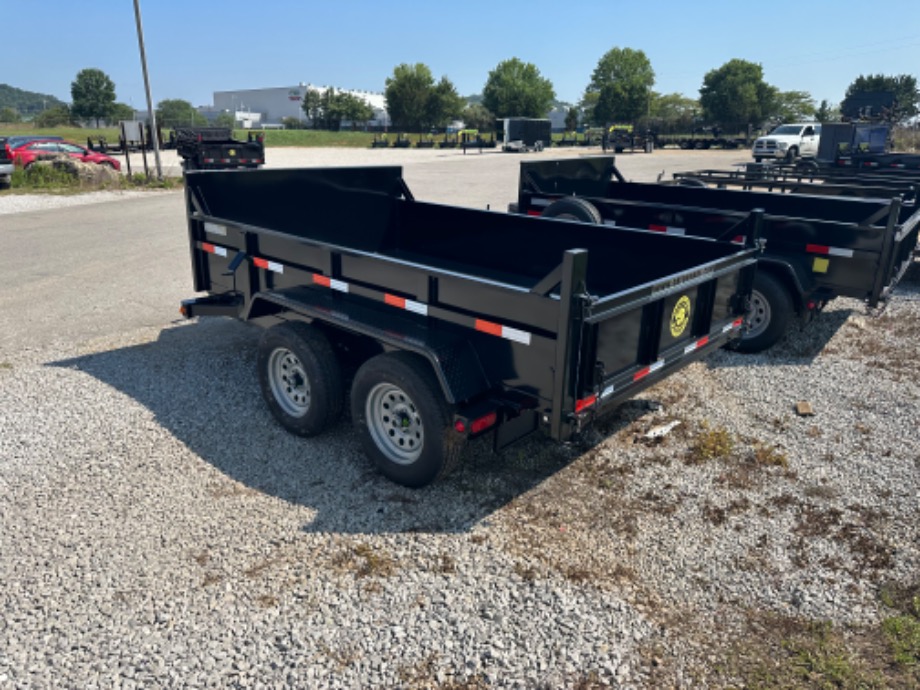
[
  {"x": 759, "y": 317},
  {"x": 395, "y": 423},
  {"x": 289, "y": 382}
]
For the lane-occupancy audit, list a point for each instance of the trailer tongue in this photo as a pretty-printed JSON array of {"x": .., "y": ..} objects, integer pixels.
[{"x": 460, "y": 322}]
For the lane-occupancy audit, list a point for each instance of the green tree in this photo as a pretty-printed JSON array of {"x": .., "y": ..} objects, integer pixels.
[
  {"x": 623, "y": 81},
  {"x": 355, "y": 109},
  {"x": 905, "y": 97},
  {"x": 93, "y": 95},
  {"x": 54, "y": 117},
  {"x": 444, "y": 104},
  {"x": 312, "y": 107},
  {"x": 735, "y": 95},
  {"x": 517, "y": 89},
  {"x": 477, "y": 116},
  {"x": 225, "y": 120},
  {"x": 571, "y": 119},
  {"x": 8, "y": 114},
  {"x": 827, "y": 112},
  {"x": 407, "y": 94},
  {"x": 794, "y": 106},
  {"x": 674, "y": 112},
  {"x": 121, "y": 111},
  {"x": 175, "y": 112}
]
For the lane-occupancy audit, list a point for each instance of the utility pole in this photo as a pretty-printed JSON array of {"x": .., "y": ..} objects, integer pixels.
[{"x": 153, "y": 115}]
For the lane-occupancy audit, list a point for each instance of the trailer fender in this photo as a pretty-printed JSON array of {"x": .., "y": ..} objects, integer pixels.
[
  {"x": 452, "y": 357},
  {"x": 797, "y": 286}
]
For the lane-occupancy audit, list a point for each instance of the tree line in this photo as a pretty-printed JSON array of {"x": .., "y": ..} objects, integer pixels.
[{"x": 733, "y": 96}]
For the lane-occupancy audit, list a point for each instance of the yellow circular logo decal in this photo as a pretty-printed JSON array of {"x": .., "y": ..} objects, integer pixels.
[
  {"x": 231, "y": 152},
  {"x": 680, "y": 317}
]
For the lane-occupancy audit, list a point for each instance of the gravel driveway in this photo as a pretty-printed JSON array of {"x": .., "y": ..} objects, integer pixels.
[{"x": 158, "y": 529}]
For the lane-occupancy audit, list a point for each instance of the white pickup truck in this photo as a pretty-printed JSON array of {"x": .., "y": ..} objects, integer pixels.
[{"x": 789, "y": 142}]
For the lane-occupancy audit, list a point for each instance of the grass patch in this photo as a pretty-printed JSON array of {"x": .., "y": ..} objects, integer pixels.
[
  {"x": 711, "y": 444},
  {"x": 364, "y": 561}
]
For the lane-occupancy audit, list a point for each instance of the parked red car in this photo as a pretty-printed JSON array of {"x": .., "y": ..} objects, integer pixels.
[{"x": 27, "y": 153}]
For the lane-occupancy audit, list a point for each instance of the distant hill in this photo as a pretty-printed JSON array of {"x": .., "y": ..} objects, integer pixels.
[{"x": 27, "y": 103}]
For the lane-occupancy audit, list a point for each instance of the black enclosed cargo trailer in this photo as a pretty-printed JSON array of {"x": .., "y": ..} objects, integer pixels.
[
  {"x": 461, "y": 321},
  {"x": 816, "y": 247},
  {"x": 524, "y": 133}
]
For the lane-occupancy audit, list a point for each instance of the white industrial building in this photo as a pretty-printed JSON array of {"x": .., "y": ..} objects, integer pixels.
[{"x": 266, "y": 107}]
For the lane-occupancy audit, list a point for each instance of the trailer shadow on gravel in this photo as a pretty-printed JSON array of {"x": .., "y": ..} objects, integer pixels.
[{"x": 199, "y": 381}]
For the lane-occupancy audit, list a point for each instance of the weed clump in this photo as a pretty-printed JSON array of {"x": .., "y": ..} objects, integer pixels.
[{"x": 711, "y": 444}]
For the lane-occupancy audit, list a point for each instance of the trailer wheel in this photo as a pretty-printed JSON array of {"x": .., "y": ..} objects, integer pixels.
[
  {"x": 771, "y": 307},
  {"x": 690, "y": 182},
  {"x": 403, "y": 420},
  {"x": 573, "y": 208},
  {"x": 300, "y": 378}
]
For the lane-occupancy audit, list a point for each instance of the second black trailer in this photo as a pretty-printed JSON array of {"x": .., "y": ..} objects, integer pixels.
[{"x": 816, "y": 247}]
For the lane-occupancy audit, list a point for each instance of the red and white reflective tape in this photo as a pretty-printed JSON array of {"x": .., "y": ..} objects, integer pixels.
[
  {"x": 671, "y": 230},
  {"x": 407, "y": 304},
  {"x": 214, "y": 249},
  {"x": 328, "y": 282},
  {"x": 829, "y": 251},
  {"x": 650, "y": 369},
  {"x": 734, "y": 324},
  {"x": 607, "y": 392},
  {"x": 697, "y": 345},
  {"x": 503, "y": 331},
  {"x": 273, "y": 266}
]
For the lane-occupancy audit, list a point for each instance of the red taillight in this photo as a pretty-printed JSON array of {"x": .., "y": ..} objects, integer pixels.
[
  {"x": 482, "y": 423},
  {"x": 460, "y": 427}
]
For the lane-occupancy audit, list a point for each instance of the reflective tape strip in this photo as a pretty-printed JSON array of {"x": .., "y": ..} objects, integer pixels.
[
  {"x": 607, "y": 392},
  {"x": 332, "y": 283},
  {"x": 540, "y": 202},
  {"x": 214, "y": 249},
  {"x": 697, "y": 345},
  {"x": 734, "y": 324},
  {"x": 832, "y": 251},
  {"x": 273, "y": 266},
  {"x": 215, "y": 229},
  {"x": 533, "y": 213},
  {"x": 407, "y": 304},
  {"x": 642, "y": 373},
  {"x": 503, "y": 331},
  {"x": 669, "y": 229}
]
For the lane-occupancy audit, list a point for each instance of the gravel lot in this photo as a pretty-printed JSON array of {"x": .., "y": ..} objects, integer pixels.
[{"x": 158, "y": 529}]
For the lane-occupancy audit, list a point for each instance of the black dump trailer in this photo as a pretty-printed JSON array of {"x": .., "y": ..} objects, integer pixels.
[
  {"x": 459, "y": 322},
  {"x": 803, "y": 179},
  {"x": 524, "y": 133},
  {"x": 816, "y": 247},
  {"x": 214, "y": 148}
]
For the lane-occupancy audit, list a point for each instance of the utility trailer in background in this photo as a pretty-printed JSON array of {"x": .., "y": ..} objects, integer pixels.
[
  {"x": 214, "y": 148},
  {"x": 816, "y": 247},
  {"x": 524, "y": 133},
  {"x": 460, "y": 322}
]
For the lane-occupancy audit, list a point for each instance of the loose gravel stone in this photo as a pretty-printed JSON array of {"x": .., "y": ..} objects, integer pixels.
[{"x": 158, "y": 529}]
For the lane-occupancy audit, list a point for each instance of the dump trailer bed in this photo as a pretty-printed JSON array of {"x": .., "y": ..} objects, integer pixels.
[
  {"x": 816, "y": 248},
  {"x": 505, "y": 324},
  {"x": 788, "y": 179},
  {"x": 214, "y": 148}
]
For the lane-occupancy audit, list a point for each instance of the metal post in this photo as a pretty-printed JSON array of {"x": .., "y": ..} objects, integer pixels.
[{"x": 153, "y": 115}]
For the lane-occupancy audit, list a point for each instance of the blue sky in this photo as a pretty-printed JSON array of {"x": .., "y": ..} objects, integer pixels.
[{"x": 196, "y": 47}]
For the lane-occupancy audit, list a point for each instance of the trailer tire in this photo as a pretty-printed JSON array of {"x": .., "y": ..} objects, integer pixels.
[
  {"x": 765, "y": 323},
  {"x": 792, "y": 154},
  {"x": 300, "y": 378},
  {"x": 403, "y": 420},
  {"x": 690, "y": 182},
  {"x": 573, "y": 208}
]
